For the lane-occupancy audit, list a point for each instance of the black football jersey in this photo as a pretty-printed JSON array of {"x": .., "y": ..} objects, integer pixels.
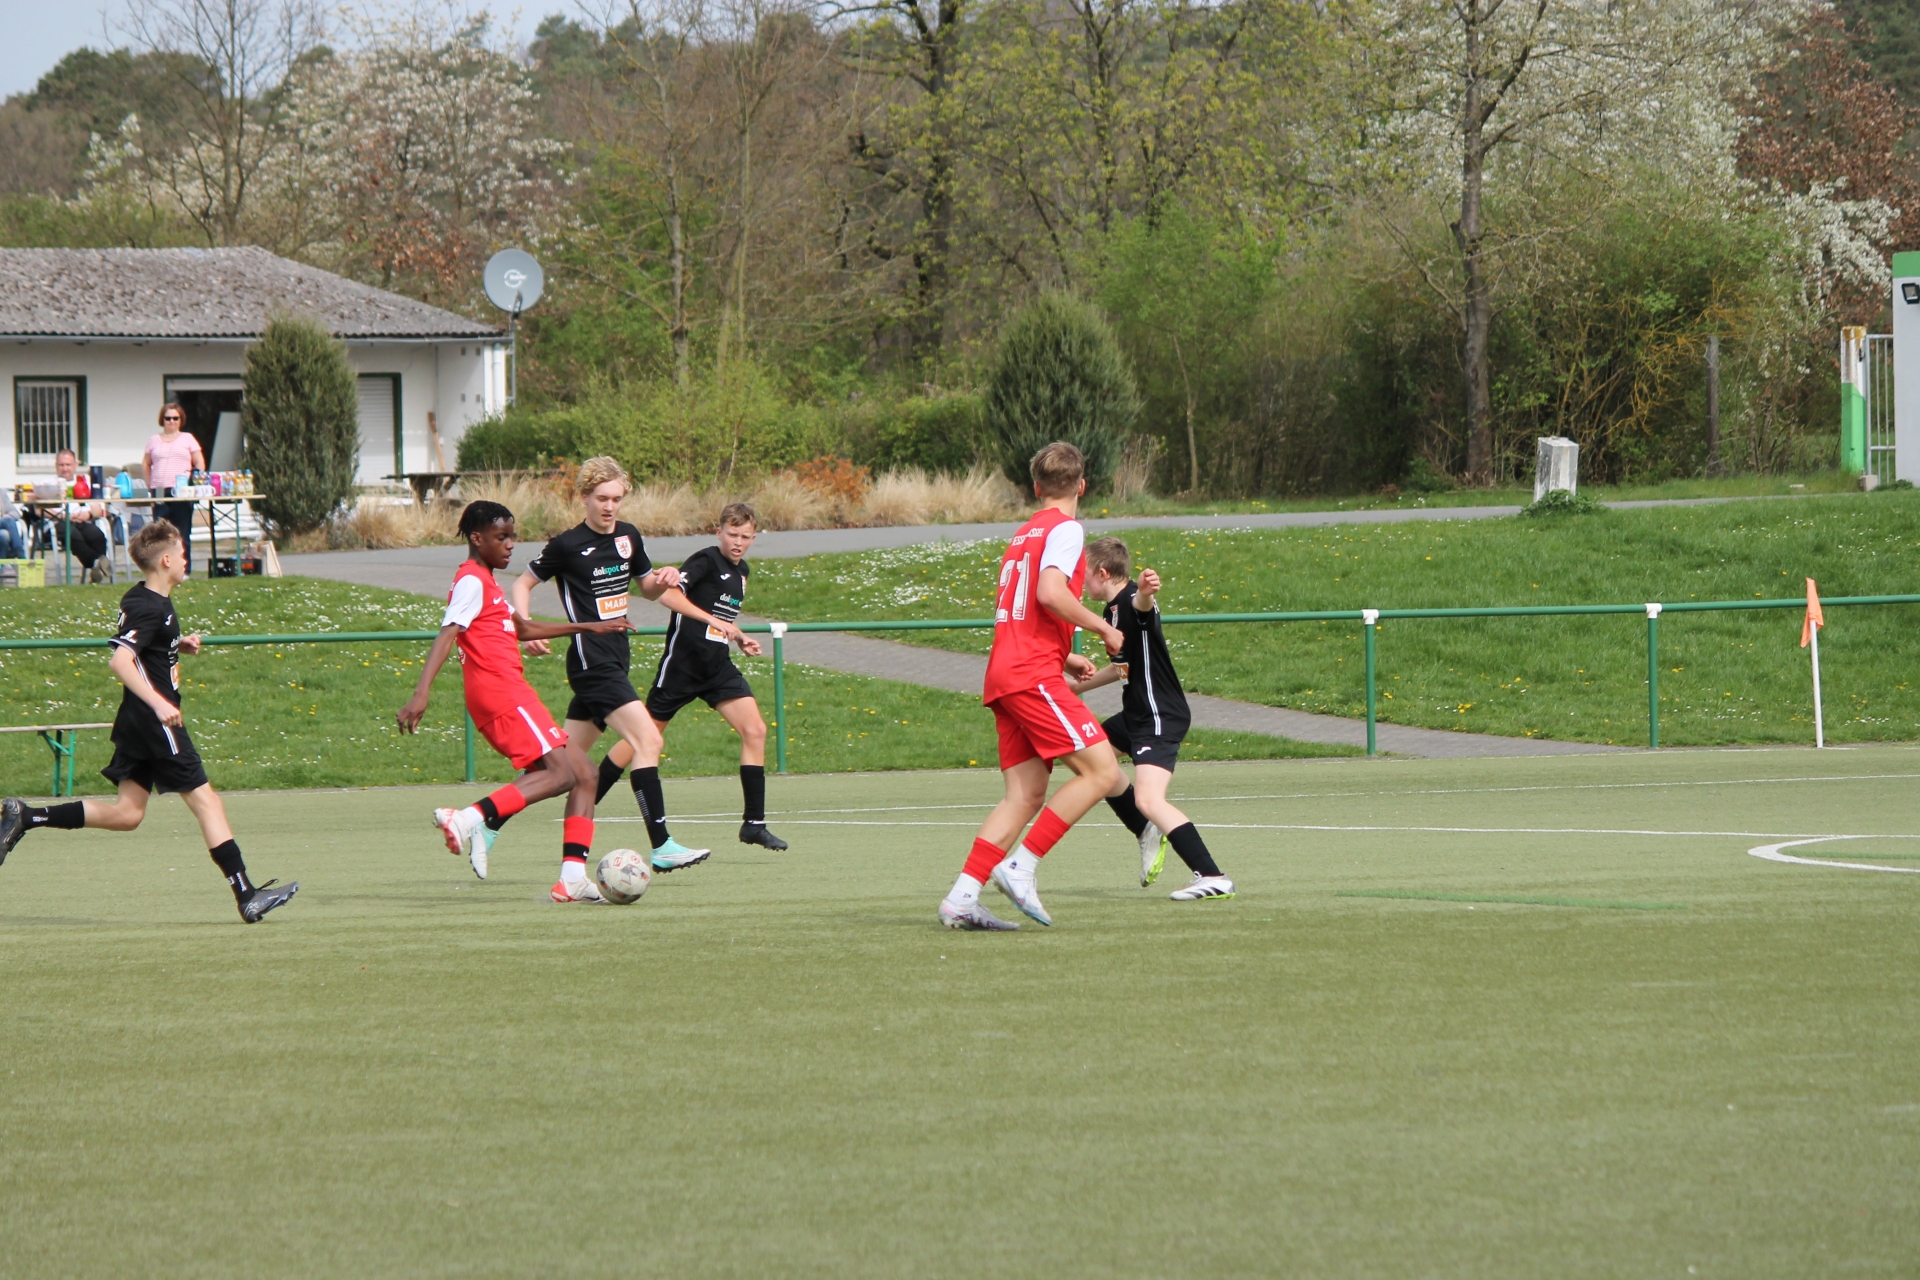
[
  {"x": 719, "y": 586},
  {"x": 1151, "y": 698},
  {"x": 149, "y": 629},
  {"x": 595, "y": 574}
]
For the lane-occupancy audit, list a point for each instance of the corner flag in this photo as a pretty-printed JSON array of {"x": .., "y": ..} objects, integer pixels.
[
  {"x": 1815, "y": 619},
  {"x": 1810, "y": 637}
]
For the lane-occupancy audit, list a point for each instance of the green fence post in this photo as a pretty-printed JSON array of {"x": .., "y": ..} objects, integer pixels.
[
  {"x": 469, "y": 720},
  {"x": 1653, "y": 677},
  {"x": 779, "y": 630},
  {"x": 1369, "y": 619}
]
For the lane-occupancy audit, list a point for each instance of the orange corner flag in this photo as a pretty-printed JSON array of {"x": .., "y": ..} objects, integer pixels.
[{"x": 1814, "y": 617}]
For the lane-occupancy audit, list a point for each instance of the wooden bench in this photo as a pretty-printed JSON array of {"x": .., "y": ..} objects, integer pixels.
[{"x": 59, "y": 739}]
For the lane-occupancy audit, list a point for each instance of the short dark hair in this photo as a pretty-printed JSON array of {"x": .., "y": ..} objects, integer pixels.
[
  {"x": 1057, "y": 469},
  {"x": 738, "y": 513},
  {"x": 150, "y": 542},
  {"x": 1110, "y": 556},
  {"x": 482, "y": 515}
]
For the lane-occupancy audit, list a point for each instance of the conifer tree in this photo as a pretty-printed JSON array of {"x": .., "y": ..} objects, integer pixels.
[
  {"x": 301, "y": 418},
  {"x": 1061, "y": 376}
]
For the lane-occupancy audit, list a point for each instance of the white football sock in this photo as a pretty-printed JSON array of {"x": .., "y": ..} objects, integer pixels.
[
  {"x": 966, "y": 891},
  {"x": 572, "y": 872},
  {"x": 1023, "y": 860},
  {"x": 471, "y": 817}
]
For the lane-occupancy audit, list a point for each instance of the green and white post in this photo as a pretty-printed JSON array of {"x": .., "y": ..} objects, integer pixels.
[
  {"x": 1853, "y": 399},
  {"x": 779, "y": 630}
]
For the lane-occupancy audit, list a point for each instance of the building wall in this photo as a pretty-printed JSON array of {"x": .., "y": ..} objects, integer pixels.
[{"x": 125, "y": 386}]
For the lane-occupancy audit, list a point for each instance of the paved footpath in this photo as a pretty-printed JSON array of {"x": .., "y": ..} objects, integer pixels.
[{"x": 428, "y": 570}]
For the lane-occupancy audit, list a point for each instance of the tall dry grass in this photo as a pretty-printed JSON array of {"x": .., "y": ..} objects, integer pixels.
[{"x": 912, "y": 496}]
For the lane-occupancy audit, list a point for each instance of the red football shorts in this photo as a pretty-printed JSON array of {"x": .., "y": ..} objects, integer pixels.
[
  {"x": 1047, "y": 721},
  {"x": 516, "y": 724}
]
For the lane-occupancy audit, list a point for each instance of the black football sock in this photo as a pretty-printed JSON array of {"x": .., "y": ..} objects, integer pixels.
[
  {"x": 65, "y": 817},
  {"x": 490, "y": 813},
  {"x": 233, "y": 867},
  {"x": 753, "y": 786},
  {"x": 609, "y": 774},
  {"x": 1127, "y": 811},
  {"x": 1192, "y": 849},
  {"x": 653, "y": 803}
]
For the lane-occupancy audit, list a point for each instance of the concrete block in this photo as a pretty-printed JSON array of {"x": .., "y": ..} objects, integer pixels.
[{"x": 1558, "y": 467}]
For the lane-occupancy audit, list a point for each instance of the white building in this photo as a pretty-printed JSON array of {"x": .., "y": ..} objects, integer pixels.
[{"x": 94, "y": 341}]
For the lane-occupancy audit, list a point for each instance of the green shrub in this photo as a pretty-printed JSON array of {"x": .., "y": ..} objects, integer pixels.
[
  {"x": 1060, "y": 376},
  {"x": 1424, "y": 477},
  {"x": 934, "y": 433},
  {"x": 301, "y": 423},
  {"x": 518, "y": 440}
]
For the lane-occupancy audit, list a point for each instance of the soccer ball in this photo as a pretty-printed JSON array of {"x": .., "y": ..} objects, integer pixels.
[{"x": 623, "y": 876}]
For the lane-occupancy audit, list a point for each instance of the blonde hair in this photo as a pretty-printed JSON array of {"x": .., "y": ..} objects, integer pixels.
[
  {"x": 595, "y": 472},
  {"x": 1057, "y": 469}
]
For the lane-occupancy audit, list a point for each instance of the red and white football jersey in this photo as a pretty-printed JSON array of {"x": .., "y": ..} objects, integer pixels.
[
  {"x": 489, "y": 646},
  {"x": 1030, "y": 644}
]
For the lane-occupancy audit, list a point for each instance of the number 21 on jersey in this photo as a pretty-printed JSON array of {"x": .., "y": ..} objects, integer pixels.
[{"x": 1015, "y": 587}]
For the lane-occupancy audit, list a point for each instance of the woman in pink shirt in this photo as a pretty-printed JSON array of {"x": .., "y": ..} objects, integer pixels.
[{"x": 172, "y": 455}]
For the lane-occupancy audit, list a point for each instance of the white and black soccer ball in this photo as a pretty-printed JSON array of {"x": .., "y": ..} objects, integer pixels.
[{"x": 623, "y": 876}]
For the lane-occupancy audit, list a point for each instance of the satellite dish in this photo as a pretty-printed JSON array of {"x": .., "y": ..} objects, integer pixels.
[{"x": 513, "y": 280}]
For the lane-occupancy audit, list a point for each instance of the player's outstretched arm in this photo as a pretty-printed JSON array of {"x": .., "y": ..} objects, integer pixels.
[
  {"x": 529, "y": 629},
  {"x": 676, "y": 599},
  {"x": 1056, "y": 593},
  {"x": 659, "y": 581},
  {"x": 126, "y": 669},
  {"x": 416, "y": 708},
  {"x": 1106, "y": 676},
  {"x": 1147, "y": 591}
]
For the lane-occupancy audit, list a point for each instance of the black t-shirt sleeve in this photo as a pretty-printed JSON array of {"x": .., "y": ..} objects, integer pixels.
[
  {"x": 640, "y": 564},
  {"x": 694, "y": 574},
  {"x": 139, "y": 623},
  {"x": 542, "y": 566}
]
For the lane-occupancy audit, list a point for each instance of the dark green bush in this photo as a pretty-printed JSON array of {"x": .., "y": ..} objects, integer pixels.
[
  {"x": 934, "y": 433},
  {"x": 1060, "y": 375},
  {"x": 519, "y": 440},
  {"x": 301, "y": 423}
]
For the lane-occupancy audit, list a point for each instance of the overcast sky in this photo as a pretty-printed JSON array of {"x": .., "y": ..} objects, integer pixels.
[{"x": 41, "y": 32}]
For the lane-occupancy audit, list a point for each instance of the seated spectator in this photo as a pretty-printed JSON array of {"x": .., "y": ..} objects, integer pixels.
[
  {"x": 13, "y": 534},
  {"x": 90, "y": 539}
]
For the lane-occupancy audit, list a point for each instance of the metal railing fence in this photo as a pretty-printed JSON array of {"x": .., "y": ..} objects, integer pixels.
[{"x": 1368, "y": 618}]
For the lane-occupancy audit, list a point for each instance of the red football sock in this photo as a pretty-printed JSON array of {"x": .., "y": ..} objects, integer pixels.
[
  {"x": 1047, "y": 830},
  {"x": 985, "y": 857},
  {"x": 577, "y": 831},
  {"x": 508, "y": 801}
]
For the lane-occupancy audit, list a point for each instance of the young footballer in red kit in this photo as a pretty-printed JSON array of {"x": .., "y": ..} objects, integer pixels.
[
  {"x": 1039, "y": 718},
  {"x": 506, "y": 710}
]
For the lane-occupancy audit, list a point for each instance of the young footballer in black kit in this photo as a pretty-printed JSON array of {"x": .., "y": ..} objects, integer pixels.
[
  {"x": 151, "y": 749},
  {"x": 596, "y": 565},
  {"x": 698, "y": 662},
  {"x": 1153, "y": 720}
]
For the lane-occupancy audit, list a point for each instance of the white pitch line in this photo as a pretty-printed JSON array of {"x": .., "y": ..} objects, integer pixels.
[{"x": 1771, "y": 852}]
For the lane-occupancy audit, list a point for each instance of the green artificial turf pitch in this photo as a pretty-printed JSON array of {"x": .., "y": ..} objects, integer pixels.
[{"x": 1438, "y": 1033}]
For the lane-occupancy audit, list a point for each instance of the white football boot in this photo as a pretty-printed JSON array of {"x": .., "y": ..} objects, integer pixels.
[
  {"x": 972, "y": 915},
  {"x": 1153, "y": 854},
  {"x": 466, "y": 835},
  {"x": 1018, "y": 884},
  {"x": 1204, "y": 887},
  {"x": 581, "y": 890}
]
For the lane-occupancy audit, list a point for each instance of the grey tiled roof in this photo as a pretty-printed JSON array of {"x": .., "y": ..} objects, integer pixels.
[{"x": 199, "y": 293}]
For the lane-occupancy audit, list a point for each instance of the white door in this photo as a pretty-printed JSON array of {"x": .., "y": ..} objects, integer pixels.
[{"x": 378, "y": 402}]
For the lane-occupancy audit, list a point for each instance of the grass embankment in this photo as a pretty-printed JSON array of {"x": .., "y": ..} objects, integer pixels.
[
  {"x": 1725, "y": 677},
  {"x": 322, "y": 715}
]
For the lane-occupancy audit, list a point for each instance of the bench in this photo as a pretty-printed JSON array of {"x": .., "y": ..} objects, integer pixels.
[{"x": 59, "y": 739}]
